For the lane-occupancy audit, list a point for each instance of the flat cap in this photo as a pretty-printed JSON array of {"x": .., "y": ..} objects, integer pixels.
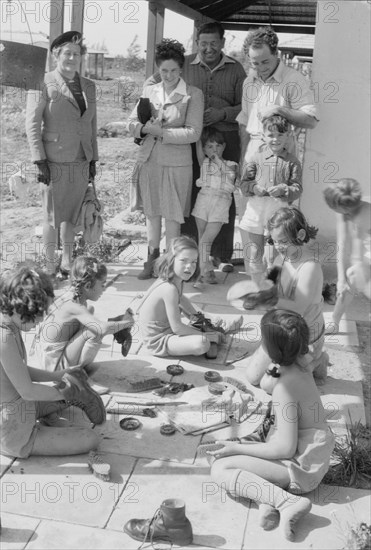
[{"x": 65, "y": 38}]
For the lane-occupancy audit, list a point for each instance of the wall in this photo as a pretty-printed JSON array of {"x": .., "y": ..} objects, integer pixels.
[{"x": 340, "y": 144}]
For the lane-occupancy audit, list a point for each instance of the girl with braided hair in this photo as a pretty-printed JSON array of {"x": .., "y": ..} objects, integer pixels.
[
  {"x": 292, "y": 455},
  {"x": 71, "y": 334}
]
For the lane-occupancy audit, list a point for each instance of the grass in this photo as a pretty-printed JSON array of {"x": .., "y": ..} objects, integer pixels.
[{"x": 351, "y": 458}]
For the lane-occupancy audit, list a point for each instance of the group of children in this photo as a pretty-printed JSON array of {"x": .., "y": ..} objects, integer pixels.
[{"x": 295, "y": 454}]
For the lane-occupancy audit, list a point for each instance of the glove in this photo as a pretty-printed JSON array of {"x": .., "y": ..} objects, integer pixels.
[
  {"x": 92, "y": 170},
  {"x": 43, "y": 171}
]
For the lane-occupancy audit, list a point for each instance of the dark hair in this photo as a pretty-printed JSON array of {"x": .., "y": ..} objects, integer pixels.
[
  {"x": 74, "y": 40},
  {"x": 292, "y": 220},
  {"x": 85, "y": 269},
  {"x": 25, "y": 291},
  {"x": 169, "y": 49},
  {"x": 164, "y": 266},
  {"x": 212, "y": 134},
  {"x": 345, "y": 193},
  {"x": 276, "y": 123},
  {"x": 211, "y": 28},
  {"x": 257, "y": 38},
  {"x": 285, "y": 336}
]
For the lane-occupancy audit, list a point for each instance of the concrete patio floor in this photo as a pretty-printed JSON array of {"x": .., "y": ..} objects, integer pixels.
[{"x": 57, "y": 503}]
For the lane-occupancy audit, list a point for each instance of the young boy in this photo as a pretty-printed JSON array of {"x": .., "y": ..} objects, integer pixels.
[
  {"x": 271, "y": 179},
  {"x": 217, "y": 182},
  {"x": 353, "y": 221}
]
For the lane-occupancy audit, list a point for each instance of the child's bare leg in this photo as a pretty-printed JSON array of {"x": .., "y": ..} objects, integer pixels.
[
  {"x": 253, "y": 253},
  {"x": 188, "y": 345},
  {"x": 83, "y": 348},
  {"x": 263, "y": 481},
  {"x": 64, "y": 441},
  {"x": 201, "y": 226},
  {"x": 343, "y": 301},
  {"x": 210, "y": 233}
]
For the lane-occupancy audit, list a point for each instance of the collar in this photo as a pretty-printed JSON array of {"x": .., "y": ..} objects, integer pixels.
[
  {"x": 181, "y": 88},
  {"x": 225, "y": 59},
  {"x": 269, "y": 154},
  {"x": 276, "y": 76}
]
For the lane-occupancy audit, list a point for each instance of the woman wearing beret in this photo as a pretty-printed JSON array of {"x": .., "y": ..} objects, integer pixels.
[
  {"x": 61, "y": 126},
  {"x": 165, "y": 158}
]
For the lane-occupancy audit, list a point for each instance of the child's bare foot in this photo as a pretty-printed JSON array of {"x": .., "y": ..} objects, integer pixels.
[
  {"x": 290, "y": 515},
  {"x": 332, "y": 328}
]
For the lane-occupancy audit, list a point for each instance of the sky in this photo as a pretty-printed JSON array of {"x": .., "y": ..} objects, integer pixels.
[{"x": 114, "y": 23}]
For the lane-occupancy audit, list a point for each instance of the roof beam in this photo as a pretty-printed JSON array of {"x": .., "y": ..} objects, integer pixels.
[
  {"x": 186, "y": 11},
  {"x": 244, "y": 26}
]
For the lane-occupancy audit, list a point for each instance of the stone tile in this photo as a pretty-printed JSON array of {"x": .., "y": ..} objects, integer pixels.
[
  {"x": 64, "y": 488},
  {"x": 347, "y": 335},
  {"x": 343, "y": 402},
  {"x": 16, "y": 531},
  {"x": 216, "y": 520},
  {"x": 55, "y": 535},
  {"x": 5, "y": 462},
  {"x": 334, "y": 509}
]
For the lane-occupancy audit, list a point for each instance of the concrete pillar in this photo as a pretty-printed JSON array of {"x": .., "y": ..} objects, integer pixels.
[{"x": 340, "y": 144}]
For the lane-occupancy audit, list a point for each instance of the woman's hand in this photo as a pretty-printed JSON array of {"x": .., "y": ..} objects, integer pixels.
[
  {"x": 229, "y": 448},
  {"x": 260, "y": 191},
  {"x": 277, "y": 191},
  {"x": 43, "y": 171},
  {"x": 154, "y": 128}
]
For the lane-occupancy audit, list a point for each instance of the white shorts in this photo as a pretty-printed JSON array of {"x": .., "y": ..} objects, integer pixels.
[
  {"x": 212, "y": 208},
  {"x": 257, "y": 213}
]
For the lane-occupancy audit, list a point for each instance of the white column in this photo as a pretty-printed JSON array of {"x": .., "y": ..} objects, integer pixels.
[{"x": 155, "y": 33}]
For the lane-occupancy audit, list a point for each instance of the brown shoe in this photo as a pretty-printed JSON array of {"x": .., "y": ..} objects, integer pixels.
[{"x": 77, "y": 391}]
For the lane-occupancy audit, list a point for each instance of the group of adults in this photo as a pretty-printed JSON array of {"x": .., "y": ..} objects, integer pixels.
[{"x": 189, "y": 92}]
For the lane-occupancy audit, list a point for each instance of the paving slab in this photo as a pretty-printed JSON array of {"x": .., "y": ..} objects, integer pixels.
[
  {"x": 334, "y": 510},
  {"x": 56, "y": 535},
  {"x": 5, "y": 463},
  {"x": 64, "y": 488},
  {"x": 216, "y": 521},
  {"x": 347, "y": 335},
  {"x": 16, "y": 531}
]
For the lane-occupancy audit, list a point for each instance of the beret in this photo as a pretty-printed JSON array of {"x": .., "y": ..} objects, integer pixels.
[{"x": 65, "y": 38}]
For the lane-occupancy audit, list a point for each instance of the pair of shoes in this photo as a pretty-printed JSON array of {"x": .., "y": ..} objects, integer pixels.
[
  {"x": 168, "y": 524},
  {"x": 147, "y": 271},
  {"x": 226, "y": 267},
  {"x": 210, "y": 278},
  {"x": 77, "y": 391}
]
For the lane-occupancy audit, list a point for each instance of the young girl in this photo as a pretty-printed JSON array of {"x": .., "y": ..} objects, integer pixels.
[
  {"x": 294, "y": 455},
  {"x": 353, "y": 228},
  {"x": 71, "y": 334},
  {"x": 299, "y": 289},
  {"x": 211, "y": 210},
  {"x": 25, "y": 295},
  {"x": 160, "y": 322}
]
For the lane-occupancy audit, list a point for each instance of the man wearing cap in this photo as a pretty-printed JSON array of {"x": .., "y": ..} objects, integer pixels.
[
  {"x": 220, "y": 77},
  {"x": 61, "y": 127}
]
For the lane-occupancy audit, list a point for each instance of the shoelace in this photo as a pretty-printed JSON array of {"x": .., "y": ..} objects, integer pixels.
[{"x": 156, "y": 515}]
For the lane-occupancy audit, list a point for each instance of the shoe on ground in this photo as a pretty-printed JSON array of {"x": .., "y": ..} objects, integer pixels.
[
  {"x": 226, "y": 267},
  {"x": 200, "y": 283},
  {"x": 210, "y": 278}
]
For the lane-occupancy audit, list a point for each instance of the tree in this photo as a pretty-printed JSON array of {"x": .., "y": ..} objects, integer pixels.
[{"x": 134, "y": 63}]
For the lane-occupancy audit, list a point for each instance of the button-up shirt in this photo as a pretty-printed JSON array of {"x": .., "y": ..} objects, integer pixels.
[{"x": 267, "y": 169}]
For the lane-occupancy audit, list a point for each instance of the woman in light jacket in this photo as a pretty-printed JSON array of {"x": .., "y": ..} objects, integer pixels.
[{"x": 165, "y": 158}]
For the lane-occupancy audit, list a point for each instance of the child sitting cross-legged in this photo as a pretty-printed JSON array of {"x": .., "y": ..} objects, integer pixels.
[{"x": 274, "y": 466}]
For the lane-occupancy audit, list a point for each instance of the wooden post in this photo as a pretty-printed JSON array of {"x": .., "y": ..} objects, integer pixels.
[
  {"x": 77, "y": 18},
  {"x": 55, "y": 25},
  {"x": 155, "y": 33}
]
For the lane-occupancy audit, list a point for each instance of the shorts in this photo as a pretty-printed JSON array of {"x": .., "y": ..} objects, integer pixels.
[
  {"x": 257, "y": 213},
  {"x": 212, "y": 208}
]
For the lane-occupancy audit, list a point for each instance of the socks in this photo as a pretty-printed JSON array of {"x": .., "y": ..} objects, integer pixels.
[{"x": 291, "y": 507}]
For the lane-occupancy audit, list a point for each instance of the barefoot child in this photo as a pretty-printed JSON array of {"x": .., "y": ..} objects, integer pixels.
[
  {"x": 70, "y": 334},
  {"x": 271, "y": 179},
  {"x": 25, "y": 295},
  {"x": 160, "y": 320},
  {"x": 211, "y": 210},
  {"x": 353, "y": 228},
  {"x": 292, "y": 458},
  {"x": 299, "y": 285}
]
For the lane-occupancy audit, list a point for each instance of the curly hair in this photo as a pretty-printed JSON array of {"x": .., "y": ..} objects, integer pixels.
[
  {"x": 209, "y": 133},
  {"x": 25, "y": 291},
  {"x": 169, "y": 49},
  {"x": 343, "y": 194},
  {"x": 285, "y": 336},
  {"x": 164, "y": 266},
  {"x": 276, "y": 123},
  {"x": 211, "y": 28},
  {"x": 85, "y": 269},
  {"x": 257, "y": 38},
  {"x": 74, "y": 40},
  {"x": 292, "y": 220}
]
